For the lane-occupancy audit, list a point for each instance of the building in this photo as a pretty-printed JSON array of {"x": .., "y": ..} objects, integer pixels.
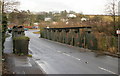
[
  {"x": 84, "y": 19},
  {"x": 71, "y": 16},
  {"x": 47, "y": 19}
]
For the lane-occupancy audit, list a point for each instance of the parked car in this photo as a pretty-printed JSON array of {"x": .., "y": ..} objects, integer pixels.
[{"x": 26, "y": 29}]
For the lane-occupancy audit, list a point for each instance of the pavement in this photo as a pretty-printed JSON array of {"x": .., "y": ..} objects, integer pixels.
[
  {"x": 19, "y": 64},
  {"x": 57, "y": 58}
]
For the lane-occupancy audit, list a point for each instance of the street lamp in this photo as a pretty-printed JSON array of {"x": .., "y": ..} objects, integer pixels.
[{"x": 118, "y": 32}]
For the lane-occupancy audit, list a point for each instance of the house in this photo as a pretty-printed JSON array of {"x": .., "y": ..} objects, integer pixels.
[
  {"x": 84, "y": 19},
  {"x": 47, "y": 19},
  {"x": 71, "y": 16}
]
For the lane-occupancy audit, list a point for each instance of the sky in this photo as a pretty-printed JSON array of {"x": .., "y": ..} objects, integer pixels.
[{"x": 84, "y": 6}]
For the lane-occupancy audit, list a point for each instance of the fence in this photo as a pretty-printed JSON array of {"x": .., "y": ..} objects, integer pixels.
[{"x": 75, "y": 36}]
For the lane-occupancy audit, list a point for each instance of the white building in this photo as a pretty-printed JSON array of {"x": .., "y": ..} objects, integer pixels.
[
  {"x": 48, "y": 19},
  {"x": 84, "y": 19},
  {"x": 71, "y": 16},
  {"x": 36, "y": 23}
]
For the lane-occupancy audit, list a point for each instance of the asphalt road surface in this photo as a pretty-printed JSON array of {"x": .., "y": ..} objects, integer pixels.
[{"x": 57, "y": 58}]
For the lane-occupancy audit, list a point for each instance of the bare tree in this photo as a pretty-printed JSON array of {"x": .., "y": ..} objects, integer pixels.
[
  {"x": 10, "y": 5},
  {"x": 112, "y": 10},
  {"x": 6, "y": 6}
]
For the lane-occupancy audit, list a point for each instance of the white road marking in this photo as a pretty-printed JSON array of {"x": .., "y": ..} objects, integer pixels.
[
  {"x": 106, "y": 70},
  {"x": 71, "y": 56},
  {"x": 59, "y": 51},
  {"x": 78, "y": 59},
  {"x": 66, "y": 54},
  {"x": 29, "y": 61}
]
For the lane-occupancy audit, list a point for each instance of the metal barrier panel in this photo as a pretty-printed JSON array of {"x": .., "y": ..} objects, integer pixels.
[
  {"x": 60, "y": 36},
  {"x": 69, "y": 37},
  {"x": 91, "y": 42},
  {"x": 47, "y": 33},
  {"x": 64, "y": 36},
  {"x": 77, "y": 38},
  {"x": 42, "y": 34},
  {"x": 72, "y": 37},
  {"x": 57, "y": 35},
  {"x": 50, "y": 35},
  {"x": 82, "y": 39}
]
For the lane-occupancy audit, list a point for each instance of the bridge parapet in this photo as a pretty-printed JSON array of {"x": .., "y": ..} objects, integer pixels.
[{"x": 75, "y": 36}]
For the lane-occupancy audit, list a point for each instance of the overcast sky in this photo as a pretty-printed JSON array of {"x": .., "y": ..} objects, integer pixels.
[{"x": 85, "y": 6}]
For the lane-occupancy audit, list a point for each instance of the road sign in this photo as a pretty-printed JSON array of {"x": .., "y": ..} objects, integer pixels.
[{"x": 118, "y": 31}]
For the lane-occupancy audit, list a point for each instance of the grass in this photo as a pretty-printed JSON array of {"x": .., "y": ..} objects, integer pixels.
[
  {"x": 21, "y": 38},
  {"x": 38, "y": 32}
]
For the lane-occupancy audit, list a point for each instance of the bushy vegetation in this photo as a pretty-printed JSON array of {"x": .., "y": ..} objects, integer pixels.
[
  {"x": 4, "y": 28},
  {"x": 102, "y": 28},
  {"x": 21, "y": 38}
]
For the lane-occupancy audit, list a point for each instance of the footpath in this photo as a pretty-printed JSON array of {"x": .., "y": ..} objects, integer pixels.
[{"x": 19, "y": 64}]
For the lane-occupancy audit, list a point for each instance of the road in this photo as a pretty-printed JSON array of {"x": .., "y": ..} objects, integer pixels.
[{"x": 57, "y": 58}]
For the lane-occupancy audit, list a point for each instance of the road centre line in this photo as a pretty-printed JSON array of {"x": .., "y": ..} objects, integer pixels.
[
  {"x": 59, "y": 51},
  {"x": 66, "y": 54},
  {"x": 106, "y": 70},
  {"x": 80, "y": 59},
  {"x": 72, "y": 56}
]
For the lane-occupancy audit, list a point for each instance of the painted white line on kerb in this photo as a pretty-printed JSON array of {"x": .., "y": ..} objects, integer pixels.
[
  {"x": 42, "y": 66},
  {"x": 29, "y": 62},
  {"x": 106, "y": 70}
]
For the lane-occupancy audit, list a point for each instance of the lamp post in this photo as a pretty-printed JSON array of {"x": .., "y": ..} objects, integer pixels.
[{"x": 118, "y": 32}]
